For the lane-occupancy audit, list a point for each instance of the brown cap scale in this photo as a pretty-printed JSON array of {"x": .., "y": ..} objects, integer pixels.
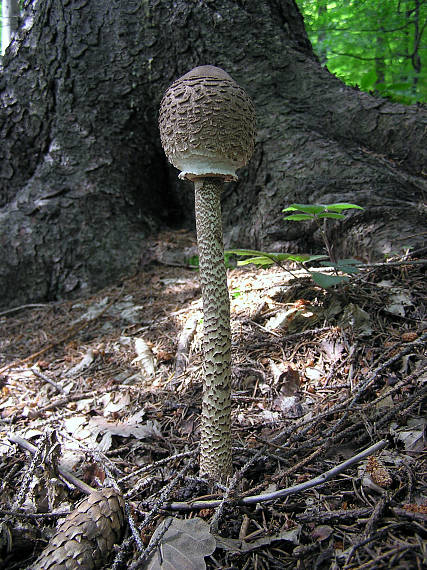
[
  {"x": 207, "y": 127},
  {"x": 207, "y": 124}
]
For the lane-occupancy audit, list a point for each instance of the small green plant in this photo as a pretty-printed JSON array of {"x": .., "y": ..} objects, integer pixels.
[
  {"x": 235, "y": 293},
  {"x": 405, "y": 250},
  {"x": 193, "y": 261},
  {"x": 228, "y": 261},
  {"x": 319, "y": 214}
]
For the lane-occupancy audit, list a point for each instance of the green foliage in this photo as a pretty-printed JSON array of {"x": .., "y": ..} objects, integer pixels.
[
  {"x": 236, "y": 292},
  {"x": 193, "y": 262},
  {"x": 375, "y": 44},
  {"x": 345, "y": 265},
  {"x": 318, "y": 211},
  {"x": 229, "y": 264},
  {"x": 325, "y": 280},
  {"x": 319, "y": 214},
  {"x": 265, "y": 258}
]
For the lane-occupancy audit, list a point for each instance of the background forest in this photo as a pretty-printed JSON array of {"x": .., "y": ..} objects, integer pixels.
[{"x": 378, "y": 46}]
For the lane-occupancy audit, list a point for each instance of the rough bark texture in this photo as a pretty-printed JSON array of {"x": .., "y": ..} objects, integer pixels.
[
  {"x": 83, "y": 179},
  {"x": 215, "y": 443}
]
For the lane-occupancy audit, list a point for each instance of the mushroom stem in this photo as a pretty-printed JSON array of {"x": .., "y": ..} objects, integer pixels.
[{"x": 215, "y": 445}]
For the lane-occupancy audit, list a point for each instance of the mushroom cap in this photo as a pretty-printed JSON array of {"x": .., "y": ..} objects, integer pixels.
[{"x": 207, "y": 124}]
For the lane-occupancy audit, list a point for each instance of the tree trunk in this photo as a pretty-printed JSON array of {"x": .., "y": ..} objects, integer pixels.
[{"x": 83, "y": 179}]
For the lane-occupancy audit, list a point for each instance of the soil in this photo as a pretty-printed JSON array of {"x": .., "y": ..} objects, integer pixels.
[{"x": 329, "y": 390}]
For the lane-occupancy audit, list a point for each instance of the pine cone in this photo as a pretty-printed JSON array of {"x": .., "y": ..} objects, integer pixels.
[{"x": 84, "y": 539}]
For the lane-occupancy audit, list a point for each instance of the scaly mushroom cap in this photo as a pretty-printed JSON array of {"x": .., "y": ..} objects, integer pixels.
[{"x": 207, "y": 124}]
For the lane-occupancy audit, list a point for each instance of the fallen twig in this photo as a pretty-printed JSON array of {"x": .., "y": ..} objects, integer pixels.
[
  {"x": 228, "y": 494},
  {"x": 320, "y": 480},
  {"x": 22, "y": 307},
  {"x": 371, "y": 379},
  {"x": 40, "y": 374},
  {"x": 67, "y": 475},
  {"x": 156, "y": 465},
  {"x": 341, "y": 515},
  {"x": 149, "y": 517}
]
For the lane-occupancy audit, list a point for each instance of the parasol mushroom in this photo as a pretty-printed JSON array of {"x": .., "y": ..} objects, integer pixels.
[{"x": 207, "y": 128}]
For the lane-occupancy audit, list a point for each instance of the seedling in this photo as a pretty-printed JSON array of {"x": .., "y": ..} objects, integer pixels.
[
  {"x": 319, "y": 214},
  {"x": 193, "y": 262},
  {"x": 236, "y": 292}
]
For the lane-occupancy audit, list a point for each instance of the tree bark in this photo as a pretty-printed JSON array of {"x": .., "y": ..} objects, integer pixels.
[{"x": 83, "y": 180}]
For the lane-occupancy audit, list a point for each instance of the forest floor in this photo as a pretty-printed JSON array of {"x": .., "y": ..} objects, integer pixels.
[{"x": 328, "y": 424}]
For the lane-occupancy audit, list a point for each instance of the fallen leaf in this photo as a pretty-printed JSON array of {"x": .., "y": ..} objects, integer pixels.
[
  {"x": 332, "y": 349},
  {"x": 314, "y": 373},
  {"x": 115, "y": 402},
  {"x": 126, "y": 429},
  {"x": 322, "y": 532},
  {"x": 287, "y": 377},
  {"x": 184, "y": 543},
  {"x": 84, "y": 363},
  {"x": 281, "y": 319},
  {"x": 356, "y": 318},
  {"x": 145, "y": 357},
  {"x": 240, "y": 546},
  {"x": 399, "y": 298},
  {"x": 126, "y": 310},
  {"x": 92, "y": 312},
  {"x": 290, "y": 406}
]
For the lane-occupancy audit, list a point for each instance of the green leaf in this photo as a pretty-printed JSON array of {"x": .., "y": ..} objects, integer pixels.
[
  {"x": 347, "y": 266},
  {"x": 245, "y": 252},
  {"x": 298, "y": 217},
  {"x": 275, "y": 257},
  {"x": 361, "y": 46},
  {"x": 299, "y": 257},
  {"x": 327, "y": 281},
  {"x": 331, "y": 215},
  {"x": 257, "y": 261},
  {"x": 193, "y": 262},
  {"x": 367, "y": 80},
  {"x": 349, "y": 269},
  {"x": 343, "y": 265},
  {"x": 236, "y": 293},
  {"x": 306, "y": 208},
  {"x": 278, "y": 257},
  {"x": 317, "y": 257},
  {"x": 270, "y": 258},
  {"x": 342, "y": 206}
]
